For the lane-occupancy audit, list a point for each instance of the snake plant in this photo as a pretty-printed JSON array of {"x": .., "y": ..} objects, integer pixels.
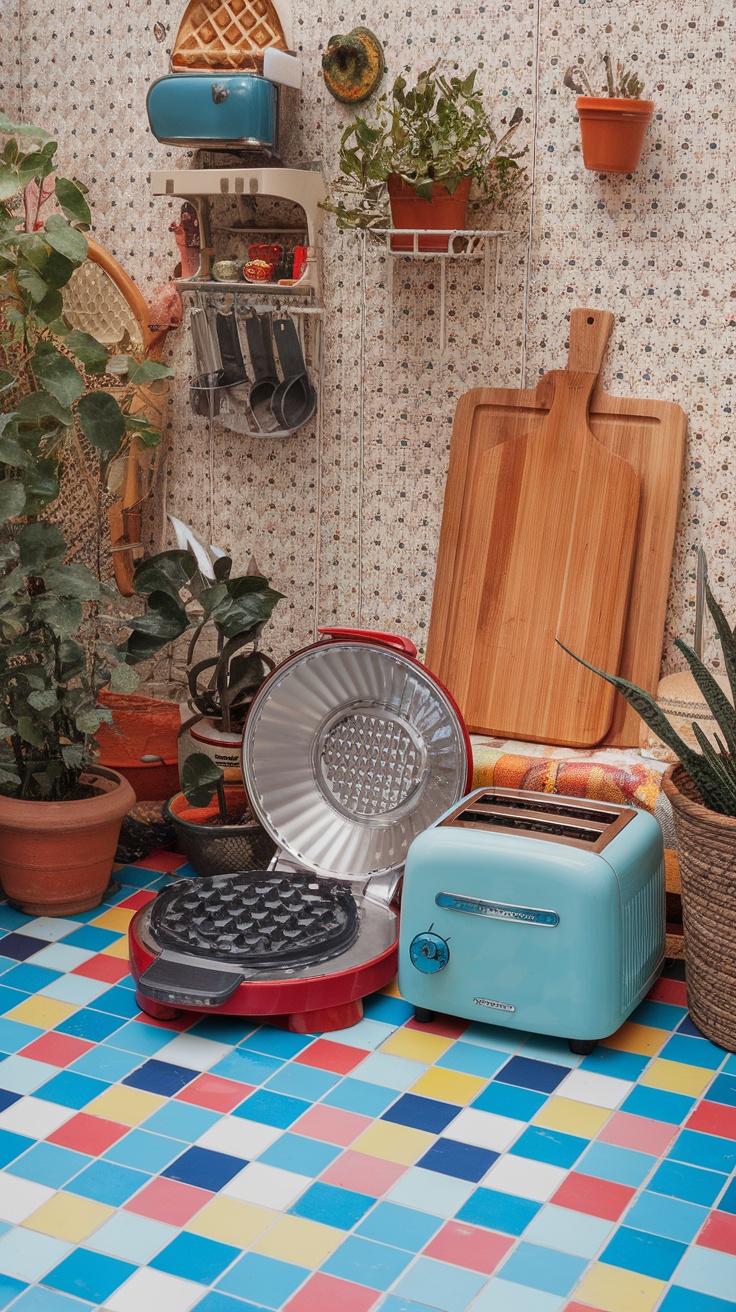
[{"x": 713, "y": 769}]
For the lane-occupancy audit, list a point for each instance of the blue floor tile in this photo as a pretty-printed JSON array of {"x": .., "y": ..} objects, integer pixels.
[
  {"x": 272, "y": 1042},
  {"x": 361, "y": 1097},
  {"x": 551, "y": 1146},
  {"x": 463, "y": 1160},
  {"x": 193, "y": 1257},
  {"x": 14, "y": 1035},
  {"x": 294, "y": 1152},
  {"x": 393, "y": 1011},
  {"x": 688, "y": 1300},
  {"x": 421, "y": 1113},
  {"x": 707, "y": 1271},
  {"x": 215, "y": 1302},
  {"x": 723, "y": 1090},
  {"x": 12, "y": 1145},
  {"x": 706, "y": 1150},
  {"x": 118, "y": 1002},
  {"x": 509, "y": 1100},
  {"x": 660, "y": 1015},
  {"x": 135, "y": 1036},
  {"x": 326, "y": 1203},
  {"x": 89, "y": 1275},
  {"x": 7, "y": 1098},
  {"x": 40, "y": 1299},
  {"x": 543, "y": 1268},
  {"x": 47, "y": 1163},
  {"x": 108, "y": 1182},
  {"x": 497, "y": 1211},
  {"x": 22, "y": 946},
  {"x": 70, "y": 1089},
  {"x": 247, "y": 1067},
  {"x": 91, "y": 937},
  {"x": 104, "y": 1063},
  {"x": 670, "y": 1217},
  {"x": 10, "y": 1288},
  {"x": 29, "y": 978},
  {"x": 658, "y": 1105},
  {"x": 160, "y": 1077},
  {"x": 263, "y": 1280},
  {"x": 693, "y": 1052},
  {"x": 204, "y": 1168},
  {"x": 302, "y": 1082},
  {"x": 471, "y": 1059},
  {"x": 650, "y": 1255},
  {"x": 21, "y": 1074},
  {"x": 543, "y": 1076},
  {"x": 728, "y": 1202},
  {"x": 620, "y": 1065},
  {"x": 272, "y": 1109},
  {"x": 10, "y": 998},
  {"x": 687, "y": 1026},
  {"x": 179, "y": 1120},
  {"x": 367, "y": 1263},
  {"x": 691, "y": 1183},
  {"x": 439, "y": 1285},
  {"x": 621, "y": 1165},
  {"x": 402, "y": 1227},
  {"x": 144, "y": 1151},
  {"x": 90, "y": 1024}
]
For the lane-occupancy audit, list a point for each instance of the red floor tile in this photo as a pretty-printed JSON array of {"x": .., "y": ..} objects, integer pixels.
[
  {"x": 719, "y": 1232},
  {"x": 56, "y": 1049},
  {"x": 366, "y": 1175},
  {"x": 585, "y": 1193},
  {"x": 88, "y": 1134},
  {"x": 107, "y": 969},
  {"x": 169, "y": 1201},
  {"x": 161, "y": 862},
  {"x": 323, "y": 1292},
  {"x": 139, "y": 899},
  {"x": 713, "y": 1118},
  {"x": 329, "y": 1056},
  {"x": 469, "y": 1246},
  {"x": 580, "y": 1307},
  {"x": 213, "y": 1092},
  {"x": 445, "y": 1027},
  {"x": 669, "y": 990},
  {"x": 331, "y": 1125},
  {"x": 638, "y": 1133}
]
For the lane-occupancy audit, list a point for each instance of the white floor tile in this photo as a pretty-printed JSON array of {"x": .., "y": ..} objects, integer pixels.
[
  {"x": 49, "y": 928},
  {"x": 191, "y": 1051},
  {"x": 268, "y": 1186},
  {"x": 155, "y": 1291},
  {"x": 368, "y": 1034},
  {"x": 431, "y": 1191},
  {"x": 524, "y": 1178},
  {"x": 484, "y": 1129},
  {"x": 600, "y": 1090},
  {"x": 18, "y": 1197},
  {"x": 239, "y": 1138},
  {"x": 390, "y": 1072},
  {"x": 35, "y": 1117}
]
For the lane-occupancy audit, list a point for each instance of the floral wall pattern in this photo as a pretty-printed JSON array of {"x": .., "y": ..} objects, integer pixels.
[{"x": 345, "y": 517}]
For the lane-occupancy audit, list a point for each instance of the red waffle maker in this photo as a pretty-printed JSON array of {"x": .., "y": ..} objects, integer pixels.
[{"x": 351, "y": 748}]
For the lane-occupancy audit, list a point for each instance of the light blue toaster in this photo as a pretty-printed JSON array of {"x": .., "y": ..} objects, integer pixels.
[{"x": 537, "y": 912}]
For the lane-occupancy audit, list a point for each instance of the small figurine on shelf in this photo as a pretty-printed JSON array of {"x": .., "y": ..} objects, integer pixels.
[{"x": 186, "y": 233}]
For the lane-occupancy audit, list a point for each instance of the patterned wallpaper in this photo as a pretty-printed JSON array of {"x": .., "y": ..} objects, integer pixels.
[{"x": 345, "y": 517}]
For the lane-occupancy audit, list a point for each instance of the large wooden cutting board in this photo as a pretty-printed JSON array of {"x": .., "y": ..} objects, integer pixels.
[{"x": 649, "y": 435}]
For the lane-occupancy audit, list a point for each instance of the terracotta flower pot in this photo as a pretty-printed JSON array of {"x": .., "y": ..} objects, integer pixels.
[
  {"x": 706, "y": 849},
  {"x": 613, "y": 132},
  {"x": 444, "y": 212},
  {"x": 56, "y": 858}
]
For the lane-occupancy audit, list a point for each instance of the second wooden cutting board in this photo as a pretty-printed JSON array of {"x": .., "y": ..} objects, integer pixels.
[{"x": 544, "y": 545}]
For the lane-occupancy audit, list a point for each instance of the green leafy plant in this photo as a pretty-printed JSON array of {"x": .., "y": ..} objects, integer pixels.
[
  {"x": 56, "y": 617},
  {"x": 187, "y": 591},
  {"x": 201, "y": 779},
  {"x": 713, "y": 769},
  {"x": 621, "y": 82},
  {"x": 437, "y": 130}
]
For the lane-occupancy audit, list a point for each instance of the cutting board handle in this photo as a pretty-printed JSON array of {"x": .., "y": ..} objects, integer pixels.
[{"x": 589, "y": 334}]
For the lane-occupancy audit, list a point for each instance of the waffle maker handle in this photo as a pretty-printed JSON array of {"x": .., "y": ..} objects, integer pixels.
[{"x": 404, "y": 645}]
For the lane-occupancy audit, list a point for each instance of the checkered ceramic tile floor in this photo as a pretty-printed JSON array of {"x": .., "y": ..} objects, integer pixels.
[{"x": 228, "y": 1167}]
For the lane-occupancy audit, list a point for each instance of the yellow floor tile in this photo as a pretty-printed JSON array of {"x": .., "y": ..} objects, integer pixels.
[
  {"x": 117, "y": 949},
  {"x": 65, "y": 1216},
  {"x": 416, "y": 1046},
  {"x": 232, "y": 1222},
  {"x": 394, "y": 1143},
  {"x": 116, "y": 918},
  {"x": 572, "y": 1117},
  {"x": 307, "y": 1243},
  {"x": 392, "y": 989},
  {"x": 612, "y": 1289},
  {"x": 677, "y": 1077},
  {"x": 125, "y": 1105},
  {"x": 448, "y": 1086},
  {"x": 44, "y": 1013},
  {"x": 641, "y": 1039}
]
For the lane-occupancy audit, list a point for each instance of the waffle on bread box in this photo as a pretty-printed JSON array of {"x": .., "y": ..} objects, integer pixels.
[{"x": 227, "y": 34}]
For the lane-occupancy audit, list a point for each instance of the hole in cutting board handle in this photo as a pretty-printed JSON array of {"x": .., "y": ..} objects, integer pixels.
[{"x": 591, "y": 319}]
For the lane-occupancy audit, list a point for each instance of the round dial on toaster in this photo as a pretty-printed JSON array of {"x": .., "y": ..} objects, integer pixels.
[{"x": 428, "y": 952}]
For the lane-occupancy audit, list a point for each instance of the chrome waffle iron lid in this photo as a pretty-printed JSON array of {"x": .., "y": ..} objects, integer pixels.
[{"x": 352, "y": 748}]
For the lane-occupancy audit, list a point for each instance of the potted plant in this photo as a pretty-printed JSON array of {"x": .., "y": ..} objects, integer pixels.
[
  {"x": 613, "y": 125},
  {"x": 414, "y": 164},
  {"x": 60, "y": 814},
  {"x": 214, "y": 824},
  {"x": 191, "y": 590},
  {"x": 702, "y": 791}
]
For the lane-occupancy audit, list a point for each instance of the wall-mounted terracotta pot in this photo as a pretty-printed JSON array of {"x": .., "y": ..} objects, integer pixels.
[
  {"x": 444, "y": 212},
  {"x": 613, "y": 132},
  {"x": 56, "y": 857}
]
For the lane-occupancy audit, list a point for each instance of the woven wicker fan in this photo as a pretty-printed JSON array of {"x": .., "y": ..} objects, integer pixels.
[
  {"x": 227, "y": 34},
  {"x": 100, "y": 298}
]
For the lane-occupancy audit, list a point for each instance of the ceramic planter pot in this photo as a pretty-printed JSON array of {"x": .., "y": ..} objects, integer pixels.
[
  {"x": 706, "y": 848},
  {"x": 141, "y": 743},
  {"x": 56, "y": 858},
  {"x": 215, "y": 849},
  {"x": 444, "y": 212},
  {"x": 224, "y": 748},
  {"x": 613, "y": 132}
]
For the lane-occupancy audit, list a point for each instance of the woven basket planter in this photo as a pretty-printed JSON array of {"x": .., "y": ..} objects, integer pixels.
[{"x": 706, "y": 843}]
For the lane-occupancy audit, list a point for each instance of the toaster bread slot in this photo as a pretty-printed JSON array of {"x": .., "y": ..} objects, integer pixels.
[{"x": 536, "y": 816}]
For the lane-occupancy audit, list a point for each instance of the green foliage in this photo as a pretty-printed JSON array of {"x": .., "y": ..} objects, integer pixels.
[
  {"x": 621, "y": 82},
  {"x": 201, "y": 779},
  {"x": 182, "y": 598},
  {"x": 436, "y": 131},
  {"x": 56, "y": 618},
  {"x": 712, "y": 769}
]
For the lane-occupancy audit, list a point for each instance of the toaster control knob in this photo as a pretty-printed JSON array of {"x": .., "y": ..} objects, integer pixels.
[{"x": 428, "y": 952}]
